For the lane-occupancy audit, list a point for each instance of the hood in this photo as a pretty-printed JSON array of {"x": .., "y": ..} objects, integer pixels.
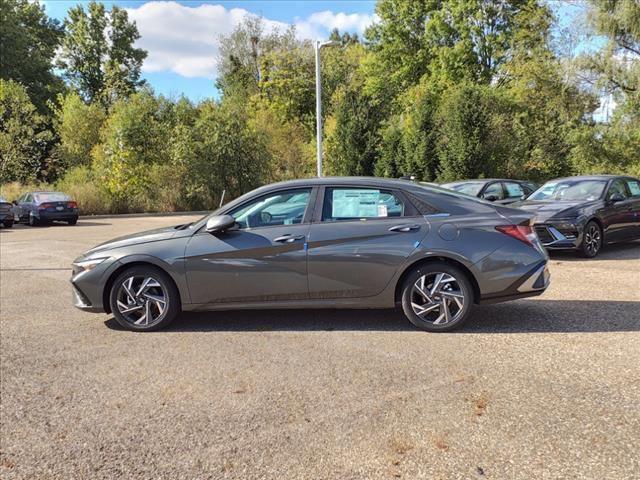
[
  {"x": 545, "y": 210},
  {"x": 136, "y": 238}
]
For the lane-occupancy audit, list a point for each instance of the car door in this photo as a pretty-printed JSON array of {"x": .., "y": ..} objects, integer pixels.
[
  {"x": 514, "y": 192},
  {"x": 24, "y": 206},
  {"x": 633, "y": 188},
  {"x": 359, "y": 238},
  {"x": 619, "y": 217},
  {"x": 262, "y": 259}
]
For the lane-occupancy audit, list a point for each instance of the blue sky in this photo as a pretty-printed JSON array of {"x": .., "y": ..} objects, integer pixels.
[{"x": 181, "y": 36}]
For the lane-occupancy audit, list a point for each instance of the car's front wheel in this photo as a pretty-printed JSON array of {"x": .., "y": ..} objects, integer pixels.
[
  {"x": 144, "y": 298},
  {"x": 437, "y": 297},
  {"x": 591, "y": 240},
  {"x": 8, "y": 223}
]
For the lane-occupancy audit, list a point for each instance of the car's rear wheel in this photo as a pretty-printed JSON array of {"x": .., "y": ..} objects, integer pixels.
[
  {"x": 144, "y": 298},
  {"x": 33, "y": 221},
  {"x": 591, "y": 240},
  {"x": 437, "y": 297},
  {"x": 7, "y": 223},
  {"x": 73, "y": 221}
]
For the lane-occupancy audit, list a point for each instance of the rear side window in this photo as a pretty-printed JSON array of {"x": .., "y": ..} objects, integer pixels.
[
  {"x": 634, "y": 188},
  {"x": 514, "y": 190},
  {"x": 360, "y": 203}
]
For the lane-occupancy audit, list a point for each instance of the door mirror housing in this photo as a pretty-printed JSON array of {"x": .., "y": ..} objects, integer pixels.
[
  {"x": 15, "y": 202},
  {"x": 220, "y": 223},
  {"x": 616, "y": 197},
  {"x": 490, "y": 198}
]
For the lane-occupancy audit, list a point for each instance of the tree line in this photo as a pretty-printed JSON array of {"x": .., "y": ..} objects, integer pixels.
[{"x": 438, "y": 90}]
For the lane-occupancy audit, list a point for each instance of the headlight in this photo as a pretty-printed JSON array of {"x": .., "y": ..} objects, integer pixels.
[{"x": 86, "y": 265}]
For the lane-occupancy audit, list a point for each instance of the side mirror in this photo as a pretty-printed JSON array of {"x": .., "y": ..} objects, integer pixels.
[
  {"x": 523, "y": 196},
  {"x": 490, "y": 198},
  {"x": 220, "y": 223},
  {"x": 15, "y": 202},
  {"x": 616, "y": 197}
]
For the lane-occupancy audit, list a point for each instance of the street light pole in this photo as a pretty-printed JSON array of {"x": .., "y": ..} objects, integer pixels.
[{"x": 318, "y": 45}]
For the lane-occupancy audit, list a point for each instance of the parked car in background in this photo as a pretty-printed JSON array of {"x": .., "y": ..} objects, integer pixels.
[
  {"x": 6, "y": 213},
  {"x": 324, "y": 242},
  {"x": 501, "y": 191},
  {"x": 584, "y": 213},
  {"x": 37, "y": 208}
]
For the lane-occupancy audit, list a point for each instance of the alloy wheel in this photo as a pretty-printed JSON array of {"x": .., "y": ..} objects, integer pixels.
[
  {"x": 437, "y": 298},
  {"x": 142, "y": 300},
  {"x": 592, "y": 239}
]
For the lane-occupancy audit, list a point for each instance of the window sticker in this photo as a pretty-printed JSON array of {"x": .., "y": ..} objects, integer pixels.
[{"x": 355, "y": 203}]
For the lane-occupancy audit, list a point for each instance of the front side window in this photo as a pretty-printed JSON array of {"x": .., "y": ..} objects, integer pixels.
[
  {"x": 360, "y": 203},
  {"x": 617, "y": 187},
  {"x": 468, "y": 188},
  {"x": 494, "y": 192},
  {"x": 281, "y": 208}
]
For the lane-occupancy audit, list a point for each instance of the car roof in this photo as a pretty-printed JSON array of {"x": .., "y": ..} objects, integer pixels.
[
  {"x": 589, "y": 177},
  {"x": 485, "y": 180},
  {"x": 367, "y": 181}
]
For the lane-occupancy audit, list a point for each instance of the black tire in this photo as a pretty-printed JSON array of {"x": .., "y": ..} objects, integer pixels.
[
  {"x": 7, "y": 223},
  {"x": 33, "y": 221},
  {"x": 170, "y": 292},
  {"x": 592, "y": 240},
  {"x": 431, "y": 321},
  {"x": 72, "y": 222}
]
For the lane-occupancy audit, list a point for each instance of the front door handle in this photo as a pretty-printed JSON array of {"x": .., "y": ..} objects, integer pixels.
[
  {"x": 288, "y": 238},
  {"x": 404, "y": 228}
]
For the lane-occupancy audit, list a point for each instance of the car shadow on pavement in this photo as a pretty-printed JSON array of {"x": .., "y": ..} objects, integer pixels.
[
  {"x": 616, "y": 251},
  {"x": 522, "y": 316}
]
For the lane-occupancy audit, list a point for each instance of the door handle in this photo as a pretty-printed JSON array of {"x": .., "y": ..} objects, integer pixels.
[
  {"x": 288, "y": 238},
  {"x": 404, "y": 228}
]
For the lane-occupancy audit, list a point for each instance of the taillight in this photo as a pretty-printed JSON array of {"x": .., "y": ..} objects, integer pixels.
[
  {"x": 72, "y": 205},
  {"x": 524, "y": 233},
  {"x": 44, "y": 206}
]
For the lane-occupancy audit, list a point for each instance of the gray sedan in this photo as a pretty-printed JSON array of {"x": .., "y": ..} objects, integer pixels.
[{"x": 321, "y": 243}]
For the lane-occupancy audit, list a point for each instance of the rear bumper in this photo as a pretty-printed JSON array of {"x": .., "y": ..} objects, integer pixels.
[
  {"x": 532, "y": 284},
  {"x": 51, "y": 216}
]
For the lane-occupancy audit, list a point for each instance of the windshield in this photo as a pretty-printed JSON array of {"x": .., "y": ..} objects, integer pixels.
[
  {"x": 50, "y": 197},
  {"x": 468, "y": 188},
  {"x": 585, "y": 190}
]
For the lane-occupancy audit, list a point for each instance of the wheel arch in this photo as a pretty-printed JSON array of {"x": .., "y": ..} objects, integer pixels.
[
  {"x": 435, "y": 259},
  {"x": 125, "y": 266}
]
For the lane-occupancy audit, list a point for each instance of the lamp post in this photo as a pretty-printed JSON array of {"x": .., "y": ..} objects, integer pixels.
[{"x": 318, "y": 45}]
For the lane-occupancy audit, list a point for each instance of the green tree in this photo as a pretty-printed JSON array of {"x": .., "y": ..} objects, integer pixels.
[
  {"x": 78, "y": 127},
  {"x": 25, "y": 140},
  {"x": 97, "y": 54},
  {"x": 28, "y": 42}
]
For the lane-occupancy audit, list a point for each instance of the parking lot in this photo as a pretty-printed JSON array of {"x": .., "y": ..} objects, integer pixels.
[{"x": 538, "y": 388}]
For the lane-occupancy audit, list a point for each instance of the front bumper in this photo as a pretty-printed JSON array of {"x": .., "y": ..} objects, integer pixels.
[
  {"x": 559, "y": 236},
  {"x": 88, "y": 286}
]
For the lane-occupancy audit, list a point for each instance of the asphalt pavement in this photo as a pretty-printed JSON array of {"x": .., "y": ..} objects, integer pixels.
[{"x": 542, "y": 388}]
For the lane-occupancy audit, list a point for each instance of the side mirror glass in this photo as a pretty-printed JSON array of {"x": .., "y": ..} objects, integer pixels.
[
  {"x": 490, "y": 198},
  {"x": 220, "y": 223},
  {"x": 616, "y": 197}
]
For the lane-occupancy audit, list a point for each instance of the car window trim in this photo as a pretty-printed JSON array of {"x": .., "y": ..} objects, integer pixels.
[{"x": 317, "y": 217}]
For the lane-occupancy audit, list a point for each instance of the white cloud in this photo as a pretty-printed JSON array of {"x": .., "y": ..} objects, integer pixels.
[{"x": 185, "y": 40}]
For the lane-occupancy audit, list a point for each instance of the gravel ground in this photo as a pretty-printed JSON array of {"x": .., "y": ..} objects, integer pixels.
[{"x": 542, "y": 388}]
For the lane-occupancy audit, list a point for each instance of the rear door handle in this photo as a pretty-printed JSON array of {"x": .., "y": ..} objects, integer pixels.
[
  {"x": 288, "y": 238},
  {"x": 404, "y": 228}
]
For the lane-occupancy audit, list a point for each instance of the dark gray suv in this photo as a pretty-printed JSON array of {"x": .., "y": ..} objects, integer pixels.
[{"x": 326, "y": 242}]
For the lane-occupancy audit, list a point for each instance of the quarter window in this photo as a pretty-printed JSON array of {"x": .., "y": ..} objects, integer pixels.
[
  {"x": 281, "y": 208},
  {"x": 360, "y": 203}
]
